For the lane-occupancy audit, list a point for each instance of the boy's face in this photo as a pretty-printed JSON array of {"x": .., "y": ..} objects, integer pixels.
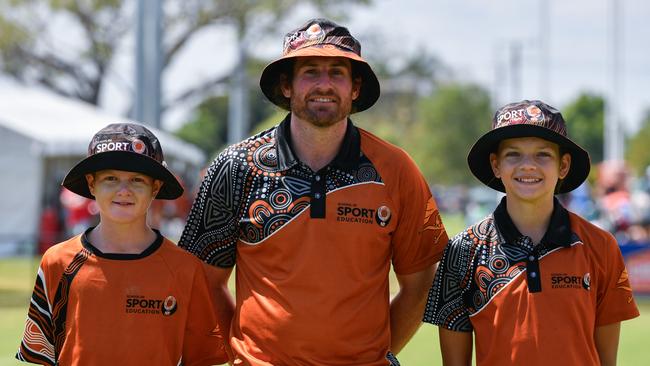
[
  {"x": 529, "y": 168},
  {"x": 122, "y": 197}
]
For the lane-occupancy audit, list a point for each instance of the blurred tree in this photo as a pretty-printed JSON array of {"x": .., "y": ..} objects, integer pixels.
[
  {"x": 208, "y": 126},
  {"x": 638, "y": 148},
  {"x": 70, "y": 46},
  {"x": 405, "y": 79},
  {"x": 448, "y": 124},
  {"x": 585, "y": 122}
]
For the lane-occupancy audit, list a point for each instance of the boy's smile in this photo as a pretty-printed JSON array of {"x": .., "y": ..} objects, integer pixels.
[
  {"x": 530, "y": 168},
  {"x": 122, "y": 197}
]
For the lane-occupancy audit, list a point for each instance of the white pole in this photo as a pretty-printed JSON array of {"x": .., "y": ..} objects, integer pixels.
[
  {"x": 148, "y": 62},
  {"x": 614, "y": 134}
]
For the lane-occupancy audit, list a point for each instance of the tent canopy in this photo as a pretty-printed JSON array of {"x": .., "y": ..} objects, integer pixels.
[{"x": 64, "y": 126}]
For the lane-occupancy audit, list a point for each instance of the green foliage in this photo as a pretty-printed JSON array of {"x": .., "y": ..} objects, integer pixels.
[
  {"x": 32, "y": 52},
  {"x": 208, "y": 128},
  {"x": 638, "y": 148},
  {"x": 585, "y": 123},
  {"x": 449, "y": 122}
]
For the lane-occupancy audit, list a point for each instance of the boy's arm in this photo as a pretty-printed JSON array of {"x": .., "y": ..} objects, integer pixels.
[
  {"x": 407, "y": 306},
  {"x": 606, "y": 338},
  {"x": 221, "y": 299},
  {"x": 456, "y": 347}
]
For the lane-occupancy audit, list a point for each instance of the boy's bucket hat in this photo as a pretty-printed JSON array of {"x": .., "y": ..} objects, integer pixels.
[
  {"x": 320, "y": 37},
  {"x": 124, "y": 146},
  {"x": 528, "y": 118}
]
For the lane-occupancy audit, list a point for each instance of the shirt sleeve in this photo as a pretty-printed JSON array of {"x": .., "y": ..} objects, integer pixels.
[
  {"x": 445, "y": 306},
  {"x": 615, "y": 299},
  {"x": 212, "y": 227},
  {"x": 204, "y": 341},
  {"x": 420, "y": 236},
  {"x": 37, "y": 345}
]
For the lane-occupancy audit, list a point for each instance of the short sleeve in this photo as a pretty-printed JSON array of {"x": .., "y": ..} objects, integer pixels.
[
  {"x": 204, "y": 342},
  {"x": 37, "y": 345},
  {"x": 212, "y": 227},
  {"x": 445, "y": 306},
  {"x": 615, "y": 301},
  {"x": 420, "y": 235}
]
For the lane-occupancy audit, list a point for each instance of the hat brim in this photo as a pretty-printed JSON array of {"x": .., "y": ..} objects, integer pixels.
[
  {"x": 478, "y": 158},
  {"x": 76, "y": 182},
  {"x": 270, "y": 79}
]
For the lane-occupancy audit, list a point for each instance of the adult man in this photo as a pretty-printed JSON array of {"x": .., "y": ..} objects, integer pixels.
[{"x": 312, "y": 212}]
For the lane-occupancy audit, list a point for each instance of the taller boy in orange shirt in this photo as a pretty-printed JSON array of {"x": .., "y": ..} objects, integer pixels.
[{"x": 534, "y": 283}]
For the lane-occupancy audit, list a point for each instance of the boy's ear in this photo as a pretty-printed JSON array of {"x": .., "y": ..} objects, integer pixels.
[
  {"x": 565, "y": 165},
  {"x": 494, "y": 163},
  {"x": 90, "y": 179},
  {"x": 157, "y": 185}
]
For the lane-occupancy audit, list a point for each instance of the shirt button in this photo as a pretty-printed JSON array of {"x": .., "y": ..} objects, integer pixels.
[
  {"x": 317, "y": 195},
  {"x": 531, "y": 258},
  {"x": 317, "y": 178},
  {"x": 533, "y": 274}
]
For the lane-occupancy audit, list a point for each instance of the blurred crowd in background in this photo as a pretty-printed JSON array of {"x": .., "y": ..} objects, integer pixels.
[{"x": 613, "y": 199}]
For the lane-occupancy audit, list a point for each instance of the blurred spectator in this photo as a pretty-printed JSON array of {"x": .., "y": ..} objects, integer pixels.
[
  {"x": 169, "y": 216},
  {"x": 624, "y": 208},
  {"x": 50, "y": 228},
  {"x": 78, "y": 212}
]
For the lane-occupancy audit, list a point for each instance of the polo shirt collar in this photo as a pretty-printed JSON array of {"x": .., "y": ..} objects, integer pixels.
[
  {"x": 558, "y": 233},
  {"x": 346, "y": 159}
]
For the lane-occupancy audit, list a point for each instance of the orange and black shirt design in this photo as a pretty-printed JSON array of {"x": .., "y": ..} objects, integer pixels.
[
  {"x": 257, "y": 186},
  {"x": 480, "y": 261}
]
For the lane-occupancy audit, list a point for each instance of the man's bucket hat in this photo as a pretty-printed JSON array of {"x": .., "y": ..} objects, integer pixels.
[
  {"x": 528, "y": 118},
  {"x": 320, "y": 37},
  {"x": 124, "y": 146}
]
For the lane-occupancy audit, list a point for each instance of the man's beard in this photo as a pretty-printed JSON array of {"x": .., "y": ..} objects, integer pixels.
[{"x": 321, "y": 117}]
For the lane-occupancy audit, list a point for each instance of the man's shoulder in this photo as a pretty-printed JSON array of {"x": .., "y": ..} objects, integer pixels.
[
  {"x": 261, "y": 145},
  {"x": 374, "y": 143},
  {"x": 252, "y": 142}
]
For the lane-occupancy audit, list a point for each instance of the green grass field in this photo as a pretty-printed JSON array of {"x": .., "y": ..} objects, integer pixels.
[{"x": 17, "y": 279}]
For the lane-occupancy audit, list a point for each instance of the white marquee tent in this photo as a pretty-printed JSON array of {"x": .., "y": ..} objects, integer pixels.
[{"x": 42, "y": 135}]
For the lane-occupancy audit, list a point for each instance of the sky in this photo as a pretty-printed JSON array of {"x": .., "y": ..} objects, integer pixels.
[{"x": 573, "y": 52}]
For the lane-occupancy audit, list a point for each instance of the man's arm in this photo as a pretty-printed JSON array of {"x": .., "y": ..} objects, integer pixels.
[
  {"x": 222, "y": 300},
  {"x": 606, "y": 338},
  {"x": 407, "y": 306},
  {"x": 456, "y": 347}
]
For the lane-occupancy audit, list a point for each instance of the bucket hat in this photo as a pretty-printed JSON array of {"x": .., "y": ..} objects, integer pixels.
[
  {"x": 528, "y": 118},
  {"x": 324, "y": 38},
  {"x": 124, "y": 146}
]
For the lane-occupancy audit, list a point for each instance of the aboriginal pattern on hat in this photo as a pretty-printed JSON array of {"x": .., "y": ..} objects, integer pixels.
[
  {"x": 126, "y": 138},
  {"x": 320, "y": 33},
  {"x": 526, "y": 113},
  {"x": 246, "y": 196}
]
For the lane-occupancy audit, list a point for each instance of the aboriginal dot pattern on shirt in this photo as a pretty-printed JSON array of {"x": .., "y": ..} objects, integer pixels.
[{"x": 234, "y": 202}]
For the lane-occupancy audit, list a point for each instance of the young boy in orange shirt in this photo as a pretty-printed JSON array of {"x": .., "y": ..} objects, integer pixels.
[
  {"x": 121, "y": 293},
  {"x": 533, "y": 283}
]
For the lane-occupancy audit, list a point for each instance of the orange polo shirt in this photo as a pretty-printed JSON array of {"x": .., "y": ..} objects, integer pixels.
[
  {"x": 93, "y": 308},
  {"x": 313, "y": 249},
  {"x": 526, "y": 304}
]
